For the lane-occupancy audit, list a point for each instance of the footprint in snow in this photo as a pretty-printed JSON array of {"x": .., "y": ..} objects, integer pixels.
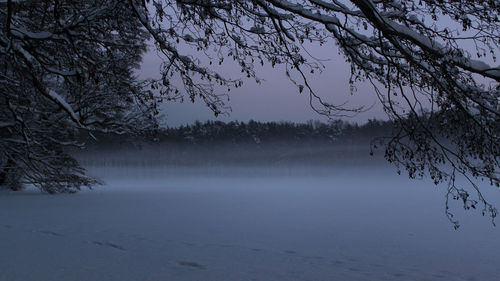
[
  {"x": 50, "y": 233},
  {"x": 109, "y": 244},
  {"x": 191, "y": 264}
]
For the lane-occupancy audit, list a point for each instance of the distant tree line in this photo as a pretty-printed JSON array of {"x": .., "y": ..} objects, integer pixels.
[
  {"x": 255, "y": 132},
  {"x": 265, "y": 132}
]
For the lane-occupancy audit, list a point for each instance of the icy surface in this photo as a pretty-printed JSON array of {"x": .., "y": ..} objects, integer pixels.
[{"x": 254, "y": 223}]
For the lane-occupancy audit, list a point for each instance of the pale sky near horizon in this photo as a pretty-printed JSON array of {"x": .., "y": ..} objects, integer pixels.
[{"x": 276, "y": 98}]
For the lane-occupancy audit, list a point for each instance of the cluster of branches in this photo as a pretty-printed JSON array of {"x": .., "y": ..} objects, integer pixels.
[
  {"x": 65, "y": 66},
  {"x": 75, "y": 58},
  {"x": 420, "y": 56}
]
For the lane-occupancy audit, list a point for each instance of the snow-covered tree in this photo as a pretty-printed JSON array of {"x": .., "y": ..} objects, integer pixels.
[
  {"x": 65, "y": 67},
  {"x": 430, "y": 63}
]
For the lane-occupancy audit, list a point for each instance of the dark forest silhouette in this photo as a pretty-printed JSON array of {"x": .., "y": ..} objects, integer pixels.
[{"x": 255, "y": 132}]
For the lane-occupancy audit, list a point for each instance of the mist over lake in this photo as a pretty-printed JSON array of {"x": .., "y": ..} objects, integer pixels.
[{"x": 311, "y": 211}]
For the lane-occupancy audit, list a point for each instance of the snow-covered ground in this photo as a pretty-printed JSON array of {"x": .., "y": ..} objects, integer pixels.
[{"x": 236, "y": 223}]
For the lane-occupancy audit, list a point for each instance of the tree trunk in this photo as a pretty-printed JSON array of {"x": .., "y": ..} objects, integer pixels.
[
  {"x": 9, "y": 176},
  {"x": 3, "y": 176}
]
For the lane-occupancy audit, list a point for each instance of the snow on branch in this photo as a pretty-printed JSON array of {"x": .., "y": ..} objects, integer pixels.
[{"x": 49, "y": 93}]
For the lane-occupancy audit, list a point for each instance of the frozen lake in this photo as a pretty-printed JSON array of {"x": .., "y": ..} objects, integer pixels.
[{"x": 236, "y": 223}]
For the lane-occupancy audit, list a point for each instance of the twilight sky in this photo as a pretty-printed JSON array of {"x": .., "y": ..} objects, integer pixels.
[{"x": 276, "y": 98}]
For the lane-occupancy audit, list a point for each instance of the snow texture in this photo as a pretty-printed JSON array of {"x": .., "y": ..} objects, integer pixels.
[{"x": 244, "y": 223}]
